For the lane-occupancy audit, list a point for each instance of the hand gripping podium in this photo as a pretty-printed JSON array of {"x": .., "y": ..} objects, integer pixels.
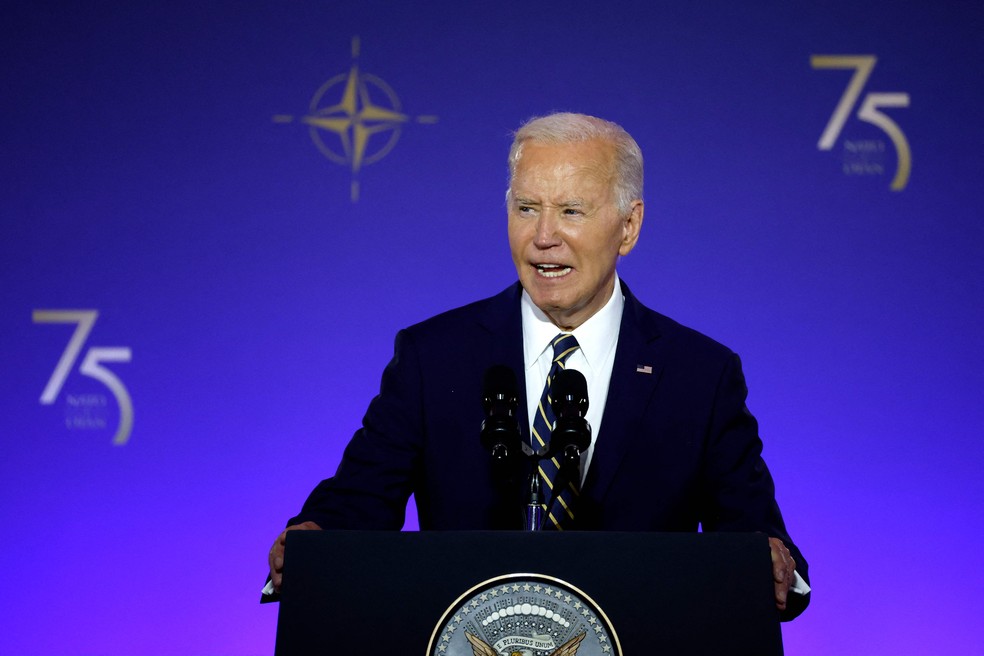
[{"x": 531, "y": 593}]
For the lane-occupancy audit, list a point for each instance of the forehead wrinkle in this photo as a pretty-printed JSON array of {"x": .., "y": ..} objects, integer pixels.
[
  {"x": 558, "y": 182},
  {"x": 562, "y": 182}
]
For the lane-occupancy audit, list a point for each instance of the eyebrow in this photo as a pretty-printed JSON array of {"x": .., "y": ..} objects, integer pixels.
[{"x": 571, "y": 202}]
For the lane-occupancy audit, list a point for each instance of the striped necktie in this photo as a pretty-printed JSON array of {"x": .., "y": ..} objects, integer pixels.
[{"x": 562, "y": 510}]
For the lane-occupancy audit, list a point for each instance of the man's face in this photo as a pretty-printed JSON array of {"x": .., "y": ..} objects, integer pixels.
[{"x": 565, "y": 232}]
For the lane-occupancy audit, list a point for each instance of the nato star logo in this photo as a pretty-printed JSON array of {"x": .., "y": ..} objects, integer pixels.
[{"x": 355, "y": 119}]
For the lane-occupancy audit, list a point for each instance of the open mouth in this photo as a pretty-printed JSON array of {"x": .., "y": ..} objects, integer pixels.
[{"x": 552, "y": 270}]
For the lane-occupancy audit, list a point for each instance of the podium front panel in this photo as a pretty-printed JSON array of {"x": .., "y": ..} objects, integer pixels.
[{"x": 378, "y": 592}]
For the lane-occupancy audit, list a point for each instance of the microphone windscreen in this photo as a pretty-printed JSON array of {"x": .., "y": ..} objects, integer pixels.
[
  {"x": 570, "y": 387},
  {"x": 500, "y": 381}
]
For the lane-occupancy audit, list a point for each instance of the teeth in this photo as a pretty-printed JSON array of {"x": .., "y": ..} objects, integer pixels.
[{"x": 552, "y": 270}]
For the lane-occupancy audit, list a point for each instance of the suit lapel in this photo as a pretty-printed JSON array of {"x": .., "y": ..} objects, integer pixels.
[
  {"x": 635, "y": 376},
  {"x": 502, "y": 320}
]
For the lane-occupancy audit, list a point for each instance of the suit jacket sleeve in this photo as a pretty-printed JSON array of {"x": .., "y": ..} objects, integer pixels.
[
  {"x": 739, "y": 493},
  {"x": 377, "y": 472}
]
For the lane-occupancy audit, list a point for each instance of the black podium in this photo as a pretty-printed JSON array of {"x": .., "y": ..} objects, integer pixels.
[{"x": 361, "y": 592}]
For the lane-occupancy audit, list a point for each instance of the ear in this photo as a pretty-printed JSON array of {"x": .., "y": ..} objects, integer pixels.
[{"x": 631, "y": 225}]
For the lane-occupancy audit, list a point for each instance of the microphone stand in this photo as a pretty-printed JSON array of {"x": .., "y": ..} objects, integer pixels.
[
  {"x": 502, "y": 458},
  {"x": 570, "y": 459},
  {"x": 500, "y": 435},
  {"x": 534, "y": 504}
]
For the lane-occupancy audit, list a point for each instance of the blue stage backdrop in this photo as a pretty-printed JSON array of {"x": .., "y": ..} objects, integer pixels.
[{"x": 215, "y": 217}]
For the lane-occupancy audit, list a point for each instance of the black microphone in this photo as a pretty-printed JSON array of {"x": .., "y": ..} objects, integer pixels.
[
  {"x": 569, "y": 394},
  {"x": 500, "y": 430},
  {"x": 572, "y": 434},
  {"x": 569, "y": 400}
]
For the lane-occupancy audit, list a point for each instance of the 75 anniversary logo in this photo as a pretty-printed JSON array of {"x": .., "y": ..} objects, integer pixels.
[
  {"x": 869, "y": 110},
  {"x": 92, "y": 364}
]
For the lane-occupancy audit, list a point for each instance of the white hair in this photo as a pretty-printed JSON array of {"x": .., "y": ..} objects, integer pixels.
[{"x": 566, "y": 128}]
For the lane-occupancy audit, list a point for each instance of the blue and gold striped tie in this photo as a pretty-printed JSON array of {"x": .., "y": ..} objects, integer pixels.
[{"x": 562, "y": 510}]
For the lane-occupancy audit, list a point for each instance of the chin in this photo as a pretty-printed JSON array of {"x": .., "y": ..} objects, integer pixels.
[{"x": 549, "y": 303}]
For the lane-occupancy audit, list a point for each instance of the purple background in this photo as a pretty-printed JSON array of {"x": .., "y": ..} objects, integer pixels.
[{"x": 142, "y": 174}]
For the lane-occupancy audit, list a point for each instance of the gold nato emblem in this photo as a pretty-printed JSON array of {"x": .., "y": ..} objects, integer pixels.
[{"x": 355, "y": 119}]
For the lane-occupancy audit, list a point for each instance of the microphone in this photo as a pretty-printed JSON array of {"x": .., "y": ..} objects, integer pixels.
[
  {"x": 572, "y": 434},
  {"x": 500, "y": 429},
  {"x": 569, "y": 400},
  {"x": 501, "y": 438}
]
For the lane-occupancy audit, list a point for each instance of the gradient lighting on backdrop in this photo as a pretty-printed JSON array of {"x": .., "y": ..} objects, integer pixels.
[{"x": 160, "y": 167}]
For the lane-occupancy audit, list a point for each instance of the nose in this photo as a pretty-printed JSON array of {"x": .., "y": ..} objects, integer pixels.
[{"x": 546, "y": 229}]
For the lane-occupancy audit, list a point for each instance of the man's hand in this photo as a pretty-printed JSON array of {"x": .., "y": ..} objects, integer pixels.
[
  {"x": 783, "y": 567},
  {"x": 276, "y": 555}
]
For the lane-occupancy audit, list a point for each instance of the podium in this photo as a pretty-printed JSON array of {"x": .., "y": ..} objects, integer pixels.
[{"x": 387, "y": 592}]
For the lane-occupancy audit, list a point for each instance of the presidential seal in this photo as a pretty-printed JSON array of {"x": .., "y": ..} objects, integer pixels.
[{"x": 524, "y": 615}]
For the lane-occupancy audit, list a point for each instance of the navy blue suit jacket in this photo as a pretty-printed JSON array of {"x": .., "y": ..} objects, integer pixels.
[{"x": 677, "y": 447}]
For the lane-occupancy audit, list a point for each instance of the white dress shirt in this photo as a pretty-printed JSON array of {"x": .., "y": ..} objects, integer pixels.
[{"x": 597, "y": 338}]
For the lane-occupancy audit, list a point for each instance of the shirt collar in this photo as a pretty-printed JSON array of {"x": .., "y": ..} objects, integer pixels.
[{"x": 596, "y": 336}]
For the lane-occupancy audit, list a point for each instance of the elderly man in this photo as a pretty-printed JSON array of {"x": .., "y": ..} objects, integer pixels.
[{"x": 673, "y": 447}]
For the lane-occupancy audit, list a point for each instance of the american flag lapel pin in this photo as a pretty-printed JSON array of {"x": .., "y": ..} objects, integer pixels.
[{"x": 644, "y": 369}]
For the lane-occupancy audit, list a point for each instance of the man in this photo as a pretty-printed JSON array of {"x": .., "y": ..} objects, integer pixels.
[{"x": 673, "y": 445}]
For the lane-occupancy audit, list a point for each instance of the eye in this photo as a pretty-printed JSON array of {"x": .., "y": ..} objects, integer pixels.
[{"x": 571, "y": 211}]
